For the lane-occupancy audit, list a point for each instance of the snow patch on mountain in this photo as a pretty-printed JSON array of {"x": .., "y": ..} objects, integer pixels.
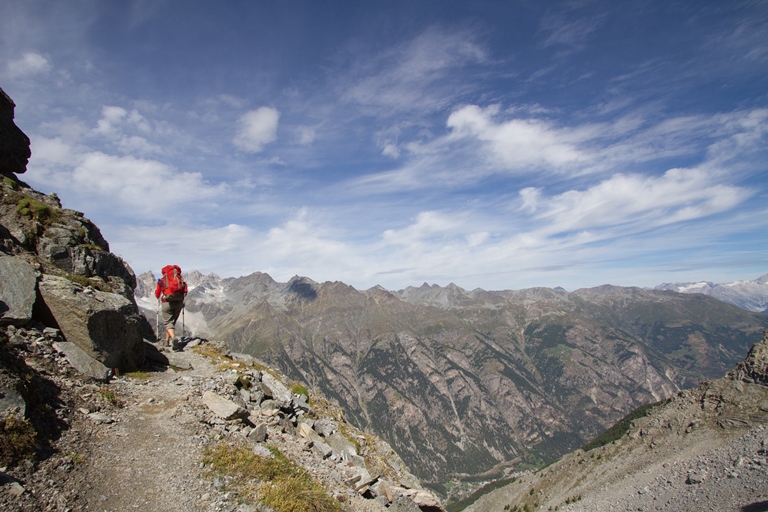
[{"x": 749, "y": 295}]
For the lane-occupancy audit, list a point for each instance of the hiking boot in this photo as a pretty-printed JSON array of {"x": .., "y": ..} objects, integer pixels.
[{"x": 175, "y": 344}]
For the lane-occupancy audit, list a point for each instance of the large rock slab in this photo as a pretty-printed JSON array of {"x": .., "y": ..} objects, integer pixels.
[
  {"x": 105, "y": 325},
  {"x": 18, "y": 290}
]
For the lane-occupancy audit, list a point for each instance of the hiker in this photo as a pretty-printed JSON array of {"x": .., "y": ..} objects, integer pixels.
[{"x": 171, "y": 290}]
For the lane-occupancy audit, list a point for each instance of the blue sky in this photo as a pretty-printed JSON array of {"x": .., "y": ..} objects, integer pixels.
[{"x": 493, "y": 144}]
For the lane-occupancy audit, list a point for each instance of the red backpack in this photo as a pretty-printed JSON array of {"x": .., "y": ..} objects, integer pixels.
[{"x": 173, "y": 286}]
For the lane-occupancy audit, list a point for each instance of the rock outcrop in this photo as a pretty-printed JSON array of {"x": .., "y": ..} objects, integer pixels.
[
  {"x": 755, "y": 367},
  {"x": 56, "y": 268}
]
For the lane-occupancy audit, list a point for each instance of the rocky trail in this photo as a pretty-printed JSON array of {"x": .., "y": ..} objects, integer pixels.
[{"x": 138, "y": 442}]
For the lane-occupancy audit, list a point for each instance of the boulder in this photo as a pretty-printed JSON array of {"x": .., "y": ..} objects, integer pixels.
[
  {"x": 14, "y": 144},
  {"x": 341, "y": 444},
  {"x": 12, "y": 403},
  {"x": 18, "y": 290},
  {"x": 223, "y": 408},
  {"x": 105, "y": 325},
  {"x": 276, "y": 390},
  {"x": 82, "y": 362}
]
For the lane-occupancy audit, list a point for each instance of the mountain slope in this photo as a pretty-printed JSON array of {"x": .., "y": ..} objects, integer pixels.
[
  {"x": 703, "y": 449},
  {"x": 462, "y": 382}
]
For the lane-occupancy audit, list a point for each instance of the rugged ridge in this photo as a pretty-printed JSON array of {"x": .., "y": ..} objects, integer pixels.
[{"x": 462, "y": 382}]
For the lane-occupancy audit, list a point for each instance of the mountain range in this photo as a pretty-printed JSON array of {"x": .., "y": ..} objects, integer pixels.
[{"x": 464, "y": 384}]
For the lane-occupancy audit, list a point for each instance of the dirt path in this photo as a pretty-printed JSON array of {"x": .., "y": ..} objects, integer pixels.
[{"x": 148, "y": 457}]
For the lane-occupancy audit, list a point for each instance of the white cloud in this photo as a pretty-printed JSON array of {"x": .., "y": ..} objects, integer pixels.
[
  {"x": 113, "y": 119},
  {"x": 256, "y": 129},
  {"x": 480, "y": 144},
  {"x": 123, "y": 185},
  {"x": 518, "y": 143},
  {"x": 119, "y": 126},
  {"x": 427, "y": 226},
  {"x": 49, "y": 151},
  {"x": 569, "y": 32},
  {"x": 30, "y": 63}
]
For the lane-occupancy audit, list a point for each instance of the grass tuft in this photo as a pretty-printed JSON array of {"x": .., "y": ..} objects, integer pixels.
[
  {"x": 275, "y": 481},
  {"x": 38, "y": 210},
  {"x": 109, "y": 396},
  {"x": 298, "y": 389},
  {"x": 137, "y": 375}
]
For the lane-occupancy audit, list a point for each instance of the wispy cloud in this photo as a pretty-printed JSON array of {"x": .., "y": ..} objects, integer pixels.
[
  {"x": 563, "y": 29},
  {"x": 30, "y": 63},
  {"x": 415, "y": 75}
]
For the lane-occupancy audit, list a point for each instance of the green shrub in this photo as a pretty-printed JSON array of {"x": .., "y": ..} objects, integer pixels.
[
  {"x": 85, "y": 282},
  {"x": 17, "y": 440},
  {"x": 619, "y": 429},
  {"x": 108, "y": 395},
  {"x": 138, "y": 375},
  {"x": 76, "y": 458}
]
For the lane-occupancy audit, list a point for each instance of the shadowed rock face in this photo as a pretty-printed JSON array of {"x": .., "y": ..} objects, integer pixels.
[{"x": 14, "y": 144}]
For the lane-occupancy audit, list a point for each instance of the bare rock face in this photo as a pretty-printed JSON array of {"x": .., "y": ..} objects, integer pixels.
[
  {"x": 105, "y": 325},
  {"x": 17, "y": 293},
  {"x": 14, "y": 144}
]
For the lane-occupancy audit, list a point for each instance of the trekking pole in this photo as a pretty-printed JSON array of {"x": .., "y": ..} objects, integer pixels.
[
  {"x": 183, "y": 307},
  {"x": 157, "y": 323}
]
